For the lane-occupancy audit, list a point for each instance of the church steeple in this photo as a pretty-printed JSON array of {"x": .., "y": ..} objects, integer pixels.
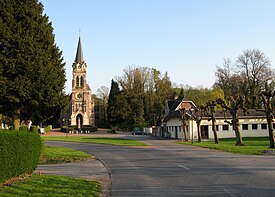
[{"x": 79, "y": 54}]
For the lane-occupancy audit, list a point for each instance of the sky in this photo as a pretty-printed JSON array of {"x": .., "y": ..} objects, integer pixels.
[{"x": 186, "y": 38}]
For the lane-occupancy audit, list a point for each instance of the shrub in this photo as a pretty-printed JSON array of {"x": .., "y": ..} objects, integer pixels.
[
  {"x": 47, "y": 128},
  {"x": 20, "y": 152},
  {"x": 89, "y": 128},
  {"x": 23, "y": 128},
  {"x": 63, "y": 129},
  {"x": 34, "y": 129}
]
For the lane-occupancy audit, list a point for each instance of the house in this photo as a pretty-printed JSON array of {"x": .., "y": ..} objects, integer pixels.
[{"x": 252, "y": 124}]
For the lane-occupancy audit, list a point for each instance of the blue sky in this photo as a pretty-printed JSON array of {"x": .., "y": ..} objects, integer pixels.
[{"x": 188, "y": 39}]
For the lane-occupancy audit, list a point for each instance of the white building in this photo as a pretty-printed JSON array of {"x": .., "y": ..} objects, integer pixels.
[{"x": 251, "y": 125}]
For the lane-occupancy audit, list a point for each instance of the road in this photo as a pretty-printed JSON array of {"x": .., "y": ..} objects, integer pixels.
[{"x": 167, "y": 169}]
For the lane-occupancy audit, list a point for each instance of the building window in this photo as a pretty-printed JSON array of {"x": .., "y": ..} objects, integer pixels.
[
  {"x": 73, "y": 108},
  {"x": 217, "y": 127},
  {"x": 264, "y": 126},
  {"x": 245, "y": 126},
  {"x": 77, "y": 81},
  {"x": 273, "y": 125},
  {"x": 85, "y": 108},
  {"x": 180, "y": 129},
  {"x": 254, "y": 126},
  {"x": 81, "y": 81},
  {"x": 225, "y": 127}
]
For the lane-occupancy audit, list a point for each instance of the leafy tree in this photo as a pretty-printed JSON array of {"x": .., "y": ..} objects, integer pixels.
[
  {"x": 112, "y": 104},
  {"x": 32, "y": 68},
  {"x": 146, "y": 91}
]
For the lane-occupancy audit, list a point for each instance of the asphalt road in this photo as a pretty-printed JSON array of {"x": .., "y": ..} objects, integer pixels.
[{"x": 167, "y": 169}]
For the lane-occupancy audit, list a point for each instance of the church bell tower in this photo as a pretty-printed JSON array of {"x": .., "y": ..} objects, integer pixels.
[{"x": 82, "y": 105}]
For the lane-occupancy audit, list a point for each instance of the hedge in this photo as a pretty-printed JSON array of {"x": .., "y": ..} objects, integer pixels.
[
  {"x": 74, "y": 128},
  {"x": 19, "y": 152}
]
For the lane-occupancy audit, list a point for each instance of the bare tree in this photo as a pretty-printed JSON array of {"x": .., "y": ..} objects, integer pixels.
[
  {"x": 256, "y": 68},
  {"x": 266, "y": 95},
  {"x": 196, "y": 114},
  {"x": 103, "y": 93},
  {"x": 211, "y": 111},
  {"x": 233, "y": 106},
  {"x": 183, "y": 119}
]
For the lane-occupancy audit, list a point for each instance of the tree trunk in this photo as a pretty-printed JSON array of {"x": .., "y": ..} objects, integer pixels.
[
  {"x": 16, "y": 120},
  {"x": 270, "y": 128},
  {"x": 199, "y": 131},
  {"x": 214, "y": 130},
  {"x": 236, "y": 127}
]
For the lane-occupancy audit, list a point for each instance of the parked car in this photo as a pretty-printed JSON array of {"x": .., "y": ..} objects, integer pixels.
[{"x": 137, "y": 131}]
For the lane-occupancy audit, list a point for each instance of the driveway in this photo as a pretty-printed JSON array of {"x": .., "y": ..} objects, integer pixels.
[{"x": 167, "y": 169}]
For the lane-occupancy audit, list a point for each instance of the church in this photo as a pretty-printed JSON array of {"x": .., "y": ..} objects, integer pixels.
[{"x": 82, "y": 103}]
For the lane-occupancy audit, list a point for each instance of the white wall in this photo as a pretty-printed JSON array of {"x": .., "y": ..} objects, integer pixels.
[{"x": 230, "y": 133}]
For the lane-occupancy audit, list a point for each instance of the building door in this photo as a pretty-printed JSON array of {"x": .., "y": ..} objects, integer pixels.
[
  {"x": 204, "y": 132},
  {"x": 79, "y": 121}
]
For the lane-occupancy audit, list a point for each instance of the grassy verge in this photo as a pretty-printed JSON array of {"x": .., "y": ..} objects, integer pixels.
[
  {"x": 253, "y": 146},
  {"x": 50, "y": 185},
  {"x": 97, "y": 140},
  {"x": 52, "y": 155}
]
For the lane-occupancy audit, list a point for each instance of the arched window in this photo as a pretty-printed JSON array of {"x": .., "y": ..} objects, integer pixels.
[
  {"x": 77, "y": 81},
  {"x": 81, "y": 81}
]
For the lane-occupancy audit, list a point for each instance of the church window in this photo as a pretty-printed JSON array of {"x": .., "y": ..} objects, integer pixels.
[
  {"x": 81, "y": 81},
  {"x": 77, "y": 81}
]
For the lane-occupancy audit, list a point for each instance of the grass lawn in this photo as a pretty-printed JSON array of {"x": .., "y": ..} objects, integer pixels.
[
  {"x": 50, "y": 185},
  {"x": 97, "y": 140},
  {"x": 52, "y": 155},
  {"x": 253, "y": 146}
]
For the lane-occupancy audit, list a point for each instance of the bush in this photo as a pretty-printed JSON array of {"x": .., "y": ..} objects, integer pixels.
[
  {"x": 89, "y": 128},
  {"x": 23, "y": 128},
  {"x": 34, "y": 129},
  {"x": 20, "y": 152},
  {"x": 74, "y": 128},
  {"x": 63, "y": 129},
  {"x": 47, "y": 128}
]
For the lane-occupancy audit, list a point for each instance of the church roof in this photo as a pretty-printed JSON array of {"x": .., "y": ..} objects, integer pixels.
[{"x": 79, "y": 54}]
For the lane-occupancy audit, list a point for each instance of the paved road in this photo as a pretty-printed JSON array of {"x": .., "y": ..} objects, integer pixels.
[{"x": 167, "y": 169}]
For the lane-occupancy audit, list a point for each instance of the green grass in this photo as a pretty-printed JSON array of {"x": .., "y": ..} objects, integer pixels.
[
  {"x": 50, "y": 185},
  {"x": 52, "y": 155},
  {"x": 253, "y": 146},
  {"x": 97, "y": 140}
]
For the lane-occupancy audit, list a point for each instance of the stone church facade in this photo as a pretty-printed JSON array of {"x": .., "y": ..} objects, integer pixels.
[{"x": 82, "y": 104}]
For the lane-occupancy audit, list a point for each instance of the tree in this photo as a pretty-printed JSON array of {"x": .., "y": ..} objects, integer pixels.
[
  {"x": 102, "y": 93},
  {"x": 146, "y": 92},
  {"x": 196, "y": 114},
  {"x": 256, "y": 68},
  {"x": 210, "y": 111},
  {"x": 183, "y": 119},
  {"x": 266, "y": 95},
  {"x": 233, "y": 106},
  {"x": 32, "y": 68},
  {"x": 112, "y": 104},
  {"x": 231, "y": 82}
]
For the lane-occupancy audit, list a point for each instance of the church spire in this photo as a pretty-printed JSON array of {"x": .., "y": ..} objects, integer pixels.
[{"x": 79, "y": 54}]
